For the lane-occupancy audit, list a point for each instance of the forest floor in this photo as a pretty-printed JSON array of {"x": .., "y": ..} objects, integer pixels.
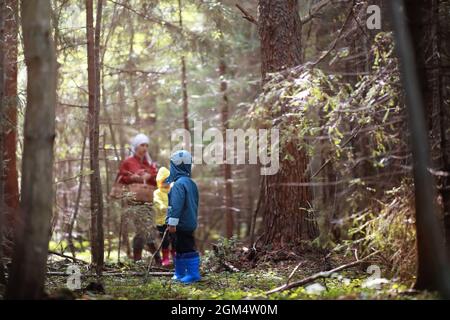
[{"x": 226, "y": 281}]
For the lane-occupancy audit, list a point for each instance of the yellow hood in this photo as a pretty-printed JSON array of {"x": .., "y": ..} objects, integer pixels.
[{"x": 162, "y": 175}]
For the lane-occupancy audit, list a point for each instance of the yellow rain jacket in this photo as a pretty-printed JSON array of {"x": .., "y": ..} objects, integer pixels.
[{"x": 161, "y": 197}]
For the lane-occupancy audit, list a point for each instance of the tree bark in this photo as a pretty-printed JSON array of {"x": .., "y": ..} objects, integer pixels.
[
  {"x": 97, "y": 245},
  {"x": 280, "y": 34},
  {"x": 283, "y": 207},
  {"x": 10, "y": 123},
  {"x": 33, "y": 230},
  {"x": 443, "y": 27},
  {"x": 2, "y": 181}
]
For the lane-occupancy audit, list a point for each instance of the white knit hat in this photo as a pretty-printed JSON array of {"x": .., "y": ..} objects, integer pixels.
[{"x": 137, "y": 141}]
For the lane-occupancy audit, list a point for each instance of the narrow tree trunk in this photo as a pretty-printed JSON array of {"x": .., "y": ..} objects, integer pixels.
[
  {"x": 78, "y": 199},
  {"x": 33, "y": 232},
  {"x": 94, "y": 108},
  {"x": 131, "y": 65},
  {"x": 10, "y": 116},
  {"x": 184, "y": 79},
  {"x": 124, "y": 236},
  {"x": 250, "y": 200},
  {"x": 98, "y": 67},
  {"x": 229, "y": 223},
  {"x": 122, "y": 101},
  {"x": 108, "y": 208},
  {"x": 283, "y": 207}
]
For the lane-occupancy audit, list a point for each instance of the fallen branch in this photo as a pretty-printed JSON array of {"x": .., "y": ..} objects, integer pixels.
[
  {"x": 67, "y": 257},
  {"x": 228, "y": 266},
  {"x": 323, "y": 274},
  {"x": 114, "y": 274}
]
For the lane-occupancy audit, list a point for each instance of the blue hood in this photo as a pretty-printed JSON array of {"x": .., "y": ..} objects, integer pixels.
[
  {"x": 182, "y": 170},
  {"x": 180, "y": 165}
]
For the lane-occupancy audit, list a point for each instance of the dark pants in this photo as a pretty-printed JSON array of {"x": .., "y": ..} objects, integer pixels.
[
  {"x": 185, "y": 241},
  {"x": 169, "y": 239}
]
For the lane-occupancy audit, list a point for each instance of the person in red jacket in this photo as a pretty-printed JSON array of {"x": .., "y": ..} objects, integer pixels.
[{"x": 139, "y": 168}]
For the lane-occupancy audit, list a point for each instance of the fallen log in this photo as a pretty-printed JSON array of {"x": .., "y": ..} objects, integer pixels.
[
  {"x": 323, "y": 274},
  {"x": 113, "y": 274}
]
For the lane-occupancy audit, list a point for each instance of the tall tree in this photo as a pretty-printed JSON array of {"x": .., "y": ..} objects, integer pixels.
[
  {"x": 10, "y": 119},
  {"x": 33, "y": 231},
  {"x": 427, "y": 21},
  {"x": 229, "y": 223},
  {"x": 442, "y": 45},
  {"x": 283, "y": 203},
  {"x": 183, "y": 77},
  {"x": 2, "y": 182},
  {"x": 432, "y": 268},
  {"x": 93, "y": 54}
]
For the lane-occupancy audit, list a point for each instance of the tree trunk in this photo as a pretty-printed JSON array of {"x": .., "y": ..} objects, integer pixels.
[
  {"x": 280, "y": 34},
  {"x": 2, "y": 181},
  {"x": 10, "y": 124},
  {"x": 108, "y": 207},
  {"x": 184, "y": 80},
  {"x": 432, "y": 266},
  {"x": 229, "y": 223},
  {"x": 444, "y": 47},
  {"x": 427, "y": 22},
  {"x": 78, "y": 199},
  {"x": 94, "y": 108},
  {"x": 33, "y": 230},
  {"x": 283, "y": 206}
]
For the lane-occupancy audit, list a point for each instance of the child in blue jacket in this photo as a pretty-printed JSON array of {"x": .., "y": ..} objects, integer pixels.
[{"x": 182, "y": 217}]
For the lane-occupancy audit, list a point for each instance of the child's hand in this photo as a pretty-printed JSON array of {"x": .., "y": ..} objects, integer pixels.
[{"x": 172, "y": 229}]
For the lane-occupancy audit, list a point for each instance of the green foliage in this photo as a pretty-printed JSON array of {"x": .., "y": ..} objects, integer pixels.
[
  {"x": 390, "y": 230},
  {"x": 247, "y": 285}
]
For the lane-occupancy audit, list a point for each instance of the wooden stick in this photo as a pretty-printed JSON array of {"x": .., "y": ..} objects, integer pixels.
[
  {"x": 155, "y": 253},
  {"x": 323, "y": 274},
  {"x": 293, "y": 272}
]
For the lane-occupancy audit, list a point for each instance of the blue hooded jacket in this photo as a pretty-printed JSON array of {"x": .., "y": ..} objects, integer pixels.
[{"x": 183, "y": 196}]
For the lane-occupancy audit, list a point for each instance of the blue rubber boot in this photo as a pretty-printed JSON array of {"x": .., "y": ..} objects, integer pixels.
[
  {"x": 180, "y": 267},
  {"x": 192, "y": 269}
]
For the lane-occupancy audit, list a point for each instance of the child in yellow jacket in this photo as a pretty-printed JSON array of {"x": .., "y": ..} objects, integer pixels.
[{"x": 160, "y": 204}]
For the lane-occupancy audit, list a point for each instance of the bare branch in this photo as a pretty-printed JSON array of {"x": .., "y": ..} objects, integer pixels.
[
  {"x": 247, "y": 15},
  {"x": 323, "y": 274}
]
